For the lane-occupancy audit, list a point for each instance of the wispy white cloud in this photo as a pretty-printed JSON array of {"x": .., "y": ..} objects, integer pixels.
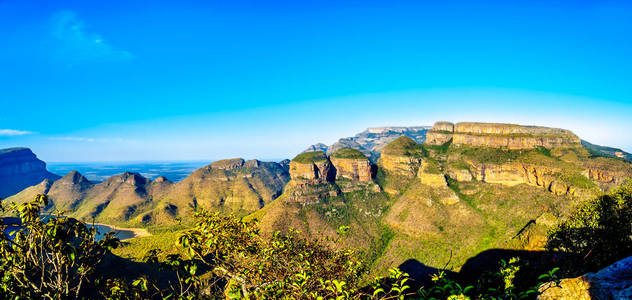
[
  {"x": 13, "y": 132},
  {"x": 72, "y": 139},
  {"x": 86, "y": 139},
  {"x": 78, "y": 44}
]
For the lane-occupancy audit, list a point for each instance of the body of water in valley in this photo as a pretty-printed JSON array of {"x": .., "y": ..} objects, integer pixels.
[{"x": 102, "y": 230}]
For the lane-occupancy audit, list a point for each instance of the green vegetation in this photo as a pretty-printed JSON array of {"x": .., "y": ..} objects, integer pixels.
[
  {"x": 219, "y": 257},
  {"x": 431, "y": 166},
  {"x": 404, "y": 146},
  {"x": 438, "y": 148},
  {"x": 486, "y": 154},
  {"x": 54, "y": 259},
  {"x": 598, "y": 233},
  {"x": 543, "y": 150},
  {"x": 348, "y": 153},
  {"x": 310, "y": 157},
  {"x": 577, "y": 180}
]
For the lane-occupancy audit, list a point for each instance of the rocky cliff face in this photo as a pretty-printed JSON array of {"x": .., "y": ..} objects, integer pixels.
[
  {"x": 401, "y": 157},
  {"x": 431, "y": 175},
  {"x": 533, "y": 175},
  {"x": 507, "y": 136},
  {"x": 312, "y": 167},
  {"x": 352, "y": 164},
  {"x": 313, "y": 178},
  {"x": 352, "y": 169},
  {"x": 371, "y": 141},
  {"x": 19, "y": 169}
]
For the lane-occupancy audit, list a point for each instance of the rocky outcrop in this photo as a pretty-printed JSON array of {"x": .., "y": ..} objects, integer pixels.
[
  {"x": 612, "y": 282},
  {"x": 459, "y": 174},
  {"x": 605, "y": 176},
  {"x": 19, "y": 169},
  {"x": 440, "y": 133},
  {"x": 401, "y": 157},
  {"x": 430, "y": 175},
  {"x": 313, "y": 178},
  {"x": 312, "y": 167},
  {"x": 228, "y": 164},
  {"x": 351, "y": 164},
  {"x": 517, "y": 173},
  {"x": 506, "y": 136}
]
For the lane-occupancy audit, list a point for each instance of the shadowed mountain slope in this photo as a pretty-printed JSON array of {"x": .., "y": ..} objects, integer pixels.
[{"x": 20, "y": 169}]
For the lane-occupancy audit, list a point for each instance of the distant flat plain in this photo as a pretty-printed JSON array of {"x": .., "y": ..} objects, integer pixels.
[{"x": 100, "y": 171}]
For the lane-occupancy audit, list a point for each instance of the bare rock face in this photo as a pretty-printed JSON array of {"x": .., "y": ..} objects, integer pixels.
[
  {"x": 605, "y": 176},
  {"x": 461, "y": 175},
  {"x": 430, "y": 175},
  {"x": 313, "y": 176},
  {"x": 612, "y": 282},
  {"x": 351, "y": 164},
  {"x": 19, "y": 169},
  {"x": 518, "y": 173},
  {"x": 440, "y": 133},
  {"x": 401, "y": 157},
  {"x": 506, "y": 136},
  {"x": 313, "y": 167},
  {"x": 353, "y": 169}
]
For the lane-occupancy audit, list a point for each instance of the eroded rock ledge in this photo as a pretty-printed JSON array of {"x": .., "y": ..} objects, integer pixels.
[
  {"x": 314, "y": 174},
  {"x": 495, "y": 135}
]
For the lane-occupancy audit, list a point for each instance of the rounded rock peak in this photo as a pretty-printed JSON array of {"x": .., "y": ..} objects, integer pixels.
[
  {"x": 348, "y": 153},
  {"x": 228, "y": 164},
  {"x": 403, "y": 145},
  {"x": 310, "y": 157},
  {"x": 74, "y": 177}
]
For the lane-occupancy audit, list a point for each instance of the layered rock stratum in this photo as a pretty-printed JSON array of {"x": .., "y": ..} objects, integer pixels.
[
  {"x": 495, "y": 135},
  {"x": 445, "y": 200},
  {"x": 352, "y": 164},
  {"x": 19, "y": 169},
  {"x": 402, "y": 157}
]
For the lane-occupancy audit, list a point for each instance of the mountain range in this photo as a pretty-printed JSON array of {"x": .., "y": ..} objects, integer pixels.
[{"x": 436, "y": 194}]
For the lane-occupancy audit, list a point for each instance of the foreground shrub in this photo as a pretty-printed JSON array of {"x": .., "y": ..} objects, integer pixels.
[
  {"x": 598, "y": 233},
  {"x": 51, "y": 258}
]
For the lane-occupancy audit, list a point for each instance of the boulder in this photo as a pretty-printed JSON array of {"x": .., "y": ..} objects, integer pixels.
[{"x": 612, "y": 282}]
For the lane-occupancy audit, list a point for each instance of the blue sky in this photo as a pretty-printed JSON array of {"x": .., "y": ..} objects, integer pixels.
[{"x": 190, "y": 80}]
